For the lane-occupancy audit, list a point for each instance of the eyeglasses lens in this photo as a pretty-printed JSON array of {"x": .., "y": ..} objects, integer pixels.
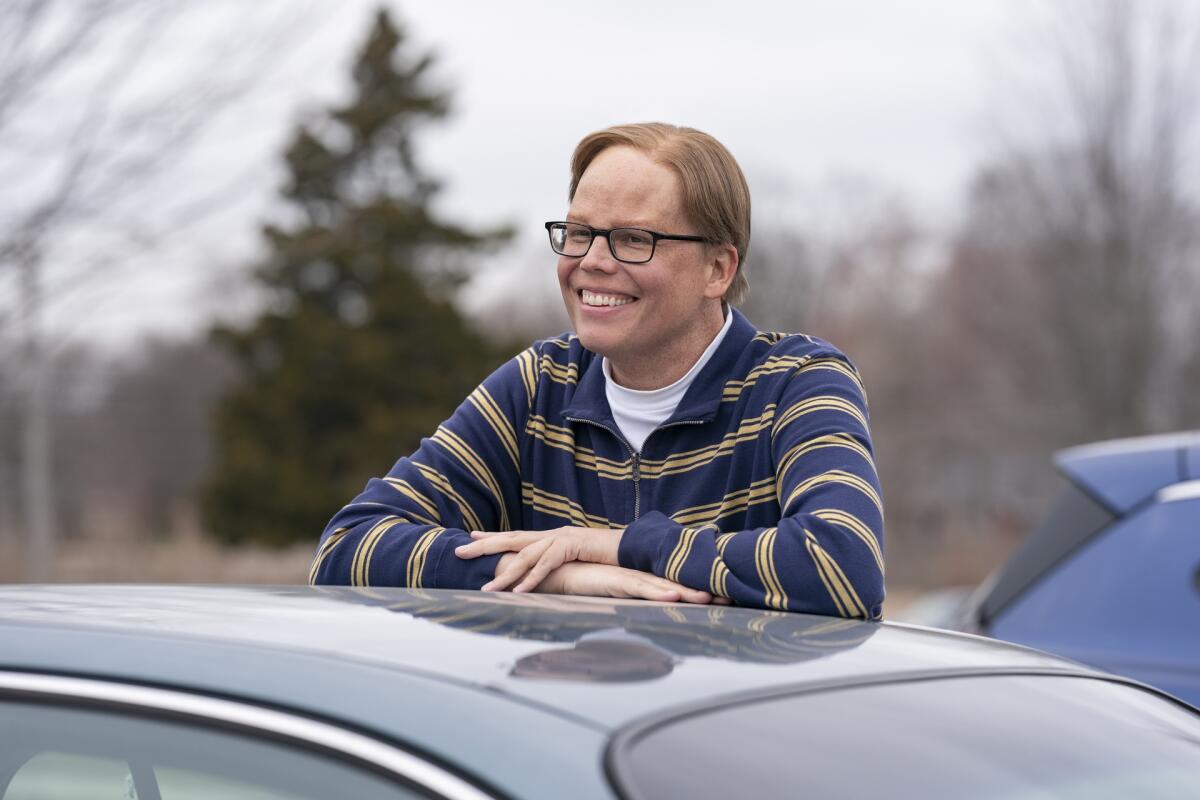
[
  {"x": 631, "y": 244},
  {"x": 628, "y": 244}
]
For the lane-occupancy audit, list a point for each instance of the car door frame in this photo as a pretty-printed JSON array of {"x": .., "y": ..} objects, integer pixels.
[{"x": 350, "y": 747}]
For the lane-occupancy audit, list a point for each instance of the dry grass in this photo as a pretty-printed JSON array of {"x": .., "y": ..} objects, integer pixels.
[{"x": 183, "y": 559}]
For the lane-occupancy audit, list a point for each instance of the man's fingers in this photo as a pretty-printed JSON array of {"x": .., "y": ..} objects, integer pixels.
[
  {"x": 517, "y": 568},
  {"x": 689, "y": 595},
  {"x": 683, "y": 593},
  {"x": 488, "y": 543},
  {"x": 526, "y": 536},
  {"x": 555, "y": 559},
  {"x": 504, "y": 577},
  {"x": 550, "y": 560},
  {"x": 646, "y": 587},
  {"x": 661, "y": 594},
  {"x": 534, "y": 577},
  {"x": 492, "y": 544},
  {"x": 650, "y": 587},
  {"x": 552, "y": 557}
]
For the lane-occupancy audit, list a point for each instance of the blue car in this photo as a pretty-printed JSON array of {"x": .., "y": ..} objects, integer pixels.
[
  {"x": 290, "y": 693},
  {"x": 1111, "y": 576}
]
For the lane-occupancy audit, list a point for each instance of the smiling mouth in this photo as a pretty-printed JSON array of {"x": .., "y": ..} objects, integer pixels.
[{"x": 598, "y": 300}]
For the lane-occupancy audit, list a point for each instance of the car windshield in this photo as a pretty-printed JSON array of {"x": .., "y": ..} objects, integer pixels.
[{"x": 994, "y": 737}]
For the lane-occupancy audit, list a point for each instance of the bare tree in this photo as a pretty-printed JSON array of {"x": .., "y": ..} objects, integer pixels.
[
  {"x": 93, "y": 113},
  {"x": 149, "y": 439},
  {"x": 1069, "y": 308},
  {"x": 813, "y": 247},
  {"x": 1087, "y": 230},
  {"x": 87, "y": 128}
]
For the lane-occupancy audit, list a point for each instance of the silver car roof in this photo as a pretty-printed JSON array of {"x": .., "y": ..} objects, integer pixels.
[
  {"x": 469, "y": 678},
  {"x": 505, "y": 645}
]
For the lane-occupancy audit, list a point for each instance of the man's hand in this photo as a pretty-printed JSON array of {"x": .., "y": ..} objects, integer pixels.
[
  {"x": 538, "y": 553},
  {"x": 605, "y": 580}
]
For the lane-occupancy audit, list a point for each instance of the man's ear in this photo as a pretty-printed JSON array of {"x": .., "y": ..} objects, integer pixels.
[{"x": 723, "y": 266}]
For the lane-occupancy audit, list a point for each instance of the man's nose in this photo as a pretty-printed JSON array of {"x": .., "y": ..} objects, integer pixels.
[{"x": 599, "y": 256}]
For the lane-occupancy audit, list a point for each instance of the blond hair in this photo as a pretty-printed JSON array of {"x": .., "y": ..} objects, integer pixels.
[{"x": 715, "y": 195}]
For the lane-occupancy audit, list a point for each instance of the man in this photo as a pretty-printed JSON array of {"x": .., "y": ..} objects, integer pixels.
[{"x": 665, "y": 451}]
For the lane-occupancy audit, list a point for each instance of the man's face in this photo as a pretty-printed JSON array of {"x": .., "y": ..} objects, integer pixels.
[{"x": 635, "y": 313}]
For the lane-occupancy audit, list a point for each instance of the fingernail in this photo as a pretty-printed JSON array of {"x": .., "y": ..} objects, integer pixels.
[{"x": 487, "y": 587}]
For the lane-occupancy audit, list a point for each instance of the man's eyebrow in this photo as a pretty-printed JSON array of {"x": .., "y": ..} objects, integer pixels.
[{"x": 622, "y": 224}]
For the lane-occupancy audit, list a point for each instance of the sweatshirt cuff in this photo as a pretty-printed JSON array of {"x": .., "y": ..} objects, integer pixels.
[
  {"x": 452, "y": 572},
  {"x": 645, "y": 541}
]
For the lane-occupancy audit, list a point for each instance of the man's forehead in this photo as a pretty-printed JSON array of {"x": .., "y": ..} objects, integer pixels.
[{"x": 626, "y": 189}]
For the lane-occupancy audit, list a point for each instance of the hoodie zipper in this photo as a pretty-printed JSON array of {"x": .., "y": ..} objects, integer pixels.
[
  {"x": 634, "y": 456},
  {"x": 635, "y": 460}
]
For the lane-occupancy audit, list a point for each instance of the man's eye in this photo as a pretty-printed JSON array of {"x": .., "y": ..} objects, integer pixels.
[{"x": 635, "y": 238}]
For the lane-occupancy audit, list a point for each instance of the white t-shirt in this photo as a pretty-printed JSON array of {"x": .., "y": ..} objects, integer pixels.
[{"x": 637, "y": 412}]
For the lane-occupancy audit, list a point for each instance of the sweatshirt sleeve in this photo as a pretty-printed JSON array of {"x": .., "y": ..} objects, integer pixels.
[
  {"x": 825, "y": 555},
  {"x": 403, "y": 528}
]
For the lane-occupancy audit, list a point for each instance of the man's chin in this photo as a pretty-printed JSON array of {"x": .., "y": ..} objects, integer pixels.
[
  {"x": 599, "y": 342},
  {"x": 593, "y": 343}
]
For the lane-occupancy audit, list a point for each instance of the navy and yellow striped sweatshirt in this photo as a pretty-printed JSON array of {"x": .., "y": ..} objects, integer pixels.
[{"x": 761, "y": 487}]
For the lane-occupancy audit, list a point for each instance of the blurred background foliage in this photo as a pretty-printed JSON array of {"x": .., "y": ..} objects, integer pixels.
[
  {"x": 359, "y": 352},
  {"x": 1062, "y": 305}
]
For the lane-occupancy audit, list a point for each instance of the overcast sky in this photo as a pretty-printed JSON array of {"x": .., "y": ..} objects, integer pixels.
[{"x": 798, "y": 91}]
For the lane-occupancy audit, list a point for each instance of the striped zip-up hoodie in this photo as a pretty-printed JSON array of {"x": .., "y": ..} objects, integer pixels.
[{"x": 761, "y": 487}]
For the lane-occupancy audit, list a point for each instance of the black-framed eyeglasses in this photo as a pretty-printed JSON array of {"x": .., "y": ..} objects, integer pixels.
[{"x": 628, "y": 245}]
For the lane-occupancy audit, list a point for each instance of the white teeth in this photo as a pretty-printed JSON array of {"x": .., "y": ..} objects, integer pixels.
[{"x": 594, "y": 299}]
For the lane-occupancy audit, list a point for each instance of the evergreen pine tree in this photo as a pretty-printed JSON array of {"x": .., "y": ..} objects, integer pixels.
[{"x": 359, "y": 353}]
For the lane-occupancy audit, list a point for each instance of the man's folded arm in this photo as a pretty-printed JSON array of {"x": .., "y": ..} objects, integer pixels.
[
  {"x": 825, "y": 555},
  {"x": 403, "y": 528}
]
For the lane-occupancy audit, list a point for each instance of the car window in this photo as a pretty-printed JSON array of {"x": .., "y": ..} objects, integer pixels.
[
  {"x": 1129, "y": 594},
  {"x": 1073, "y": 519},
  {"x": 66, "y": 775},
  {"x": 50, "y": 752},
  {"x": 59, "y": 776},
  {"x": 983, "y": 737}
]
